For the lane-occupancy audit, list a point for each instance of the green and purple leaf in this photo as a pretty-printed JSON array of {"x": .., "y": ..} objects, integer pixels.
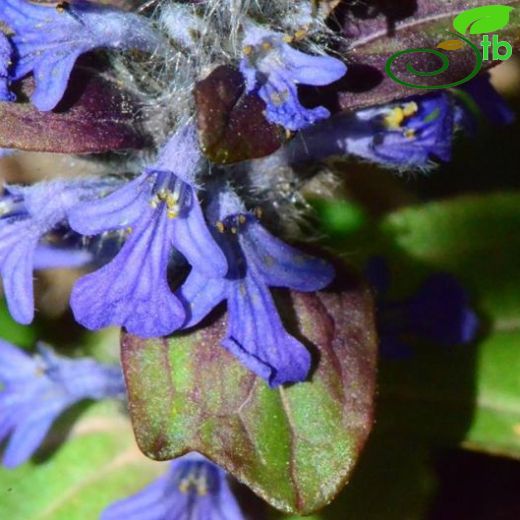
[{"x": 295, "y": 446}]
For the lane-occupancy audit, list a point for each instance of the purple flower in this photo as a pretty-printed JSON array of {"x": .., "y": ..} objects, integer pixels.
[
  {"x": 161, "y": 211},
  {"x": 273, "y": 68},
  {"x": 408, "y": 133},
  {"x": 49, "y": 38},
  {"x": 439, "y": 312},
  {"x": 6, "y": 53},
  {"x": 257, "y": 261},
  {"x": 489, "y": 101},
  {"x": 36, "y": 390},
  {"x": 193, "y": 488},
  {"x": 27, "y": 215}
]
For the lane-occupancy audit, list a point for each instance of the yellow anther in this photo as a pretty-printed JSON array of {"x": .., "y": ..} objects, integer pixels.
[
  {"x": 267, "y": 46},
  {"x": 248, "y": 50},
  {"x": 221, "y": 228},
  {"x": 410, "y": 109},
  {"x": 234, "y": 230},
  {"x": 301, "y": 34},
  {"x": 279, "y": 98},
  {"x": 410, "y": 133},
  {"x": 171, "y": 200},
  {"x": 394, "y": 119},
  {"x": 184, "y": 485},
  {"x": 242, "y": 219},
  {"x": 288, "y": 39},
  {"x": 202, "y": 486},
  {"x": 258, "y": 213}
]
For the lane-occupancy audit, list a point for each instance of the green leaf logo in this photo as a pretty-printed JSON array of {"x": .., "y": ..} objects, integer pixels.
[{"x": 481, "y": 20}]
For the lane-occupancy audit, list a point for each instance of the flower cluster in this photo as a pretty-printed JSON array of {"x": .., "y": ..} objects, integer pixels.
[
  {"x": 35, "y": 390},
  {"x": 171, "y": 216},
  {"x": 186, "y": 234}
]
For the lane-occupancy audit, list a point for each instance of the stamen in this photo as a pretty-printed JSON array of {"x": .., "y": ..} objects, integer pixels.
[
  {"x": 196, "y": 479},
  {"x": 410, "y": 109},
  {"x": 395, "y": 118},
  {"x": 301, "y": 34},
  {"x": 279, "y": 98}
]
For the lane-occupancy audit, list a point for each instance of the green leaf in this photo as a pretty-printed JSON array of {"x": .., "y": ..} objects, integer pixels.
[
  {"x": 474, "y": 237},
  {"x": 397, "y": 472},
  {"x": 294, "y": 446},
  {"x": 77, "y": 478},
  {"x": 11, "y": 331},
  {"x": 484, "y": 19}
]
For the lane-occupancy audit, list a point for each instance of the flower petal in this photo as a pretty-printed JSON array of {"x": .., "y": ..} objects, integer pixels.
[
  {"x": 313, "y": 70},
  {"x": 18, "y": 243},
  {"x": 282, "y": 265},
  {"x": 48, "y": 257},
  {"x": 194, "y": 240},
  {"x": 283, "y": 106},
  {"x": 132, "y": 290},
  {"x": 256, "y": 335},
  {"x": 201, "y": 295},
  {"x": 151, "y": 503},
  {"x": 120, "y": 209},
  {"x": 27, "y": 437},
  {"x": 14, "y": 363},
  {"x": 6, "y": 52}
]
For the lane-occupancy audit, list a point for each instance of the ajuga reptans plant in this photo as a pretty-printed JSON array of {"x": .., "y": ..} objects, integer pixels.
[{"x": 177, "y": 228}]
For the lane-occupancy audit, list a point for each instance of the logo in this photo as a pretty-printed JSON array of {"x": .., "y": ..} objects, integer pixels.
[{"x": 481, "y": 20}]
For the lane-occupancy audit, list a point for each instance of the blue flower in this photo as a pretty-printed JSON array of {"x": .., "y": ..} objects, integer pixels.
[
  {"x": 6, "y": 53},
  {"x": 409, "y": 133},
  {"x": 161, "y": 211},
  {"x": 193, "y": 488},
  {"x": 273, "y": 68},
  {"x": 439, "y": 312},
  {"x": 27, "y": 216},
  {"x": 257, "y": 261},
  {"x": 36, "y": 390},
  {"x": 49, "y": 38},
  {"x": 489, "y": 101}
]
